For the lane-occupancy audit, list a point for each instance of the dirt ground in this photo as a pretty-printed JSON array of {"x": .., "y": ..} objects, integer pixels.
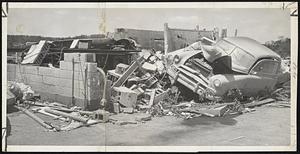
[{"x": 265, "y": 126}]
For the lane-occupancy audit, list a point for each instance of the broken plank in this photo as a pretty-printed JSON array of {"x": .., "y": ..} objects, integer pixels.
[
  {"x": 128, "y": 72},
  {"x": 77, "y": 118},
  {"x": 198, "y": 112},
  {"x": 35, "y": 118},
  {"x": 161, "y": 96},
  {"x": 41, "y": 110},
  {"x": 262, "y": 102}
]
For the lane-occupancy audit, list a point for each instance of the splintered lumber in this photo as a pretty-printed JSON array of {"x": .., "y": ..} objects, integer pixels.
[
  {"x": 212, "y": 112},
  {"x": 197, "y": 111},
  {"x": 128, "y": 72},
  {"x": 60, "y": 108},
  {"x": 86, "y": 112},
  {"x": 262, "y": 102},
  {"x": 161, "y": 95},
  {"x": 77, "y": 118},
  {"x": 34, "y": 117},
  {"x": 42, "y": 111},
  {"x": 152, "y": 95}
]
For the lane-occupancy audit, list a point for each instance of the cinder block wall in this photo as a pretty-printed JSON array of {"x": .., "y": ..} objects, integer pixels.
[{"x": 55, "y": 84}]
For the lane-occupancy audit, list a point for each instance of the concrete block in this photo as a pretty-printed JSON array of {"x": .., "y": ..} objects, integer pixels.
[
  {"x": 124, "y": 96},
  {"x": 88, "y": 57},
  {"x": 11, "y": 67},
  {"x": 20, "y": 68},
  {"x": 68, "y": 57},
  {"x": 20, "y": 77},
  {"x": 67, "y": 74},
  {"x": 63, "y": 99},
  {"x": 34, "y": 78},
  {"x": 94, "y": 82},
  {"x": 61, "y": 82},
  {"x": 65, "y": 65},
  {"x": 78, "y": 66},
  {"x": 50, "y": 80},
  {"x": 149, "y": 67},
  {"x": 11, "y": 76},
  {"x": 121, "y": 68},
  {"x": 64, "y": 91},
  {"x": 79, "y": 93},
  {"x": 48, "y": 71},
  {"x": 31, "y": 69},
  {"x": 81, "y": 103},
  {"x": 79, "y": 84},
  {"x": 92, "y": 67},
  {"x": 116, "y": 107},
  {"x": 127, "y": 110},
  {"x": 36, "y": 86},
  {"x": 64, "y": 82},
  {"x": 52, "y": 89},
  {"x": 79, "y": 57},
  {"x": 93, "y": 94},
  {"x": 94, "y": 76}
]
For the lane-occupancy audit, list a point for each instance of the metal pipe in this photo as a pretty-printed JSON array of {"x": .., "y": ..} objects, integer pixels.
[{"x": 103, "y": 99}]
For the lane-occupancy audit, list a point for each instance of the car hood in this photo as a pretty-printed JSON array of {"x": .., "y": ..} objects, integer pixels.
[{"x": 184, "y": 55}]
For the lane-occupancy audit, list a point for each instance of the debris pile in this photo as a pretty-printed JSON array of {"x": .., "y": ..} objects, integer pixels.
[
  {"x": 68, "y": 117},
  {"x": 144, "y": 87},
  {"x": 134, "y": 93},
  {"x": 283, "y": 93}
]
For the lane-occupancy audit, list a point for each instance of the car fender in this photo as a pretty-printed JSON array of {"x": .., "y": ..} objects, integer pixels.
[{"x": 248, "y": 84}]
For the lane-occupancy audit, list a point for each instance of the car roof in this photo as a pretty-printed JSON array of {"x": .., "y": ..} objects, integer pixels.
[{"x": 253, "y": 47}]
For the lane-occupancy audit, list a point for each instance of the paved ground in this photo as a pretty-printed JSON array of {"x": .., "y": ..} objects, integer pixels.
[{"x": 265, "y": 126}]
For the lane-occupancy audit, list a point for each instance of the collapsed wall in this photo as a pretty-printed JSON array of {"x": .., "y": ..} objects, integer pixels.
[{"x": 75, "y": 82}]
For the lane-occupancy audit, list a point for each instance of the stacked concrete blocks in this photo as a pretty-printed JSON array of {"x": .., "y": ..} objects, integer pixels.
[{"x": 56, "y": 84}]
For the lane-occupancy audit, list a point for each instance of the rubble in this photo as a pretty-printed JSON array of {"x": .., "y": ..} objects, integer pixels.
[
  {"x": 74, "y": 117},
  {"x": 144, "y": 89},
  {"x": 20, "y": 90},
  {"x": 157, "y": 97},
  {"x": 258, "y": 103}
]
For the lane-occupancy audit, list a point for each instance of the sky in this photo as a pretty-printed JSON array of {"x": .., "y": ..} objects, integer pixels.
[{"x": 262, "y": 24}]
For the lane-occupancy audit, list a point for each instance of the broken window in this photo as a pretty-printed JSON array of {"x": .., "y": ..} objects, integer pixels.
[
  {"x": 242, "y": 58},
  {"x": 196, "y": 46},
  {"x": 225, "y": 46},
  {"x": 266, "y": 67}
]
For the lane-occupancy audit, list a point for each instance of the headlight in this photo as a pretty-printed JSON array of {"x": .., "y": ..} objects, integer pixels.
[
  {"x": 217, "y": 82},
  {"x": 176, "y": 59}
]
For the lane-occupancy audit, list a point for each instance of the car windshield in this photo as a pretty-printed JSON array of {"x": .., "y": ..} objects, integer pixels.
[
  {"x": 225, "y": 46},
  {"x": 242, "y": 58}
]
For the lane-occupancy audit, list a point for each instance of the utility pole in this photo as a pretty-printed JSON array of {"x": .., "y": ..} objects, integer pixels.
[
  {"x": 102, "y": 24},
  {"x": 166, "y": 38}
]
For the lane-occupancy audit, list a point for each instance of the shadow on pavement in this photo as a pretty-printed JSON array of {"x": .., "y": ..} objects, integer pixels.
[
  {"x": 11, "y": 109},
  {"x": 226, "y": 120}
]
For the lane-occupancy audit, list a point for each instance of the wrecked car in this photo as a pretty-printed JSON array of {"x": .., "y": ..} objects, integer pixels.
[{"x": 233, "y": 63}]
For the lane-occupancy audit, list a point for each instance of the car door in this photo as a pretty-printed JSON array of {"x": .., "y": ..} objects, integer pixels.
[{"x": 267, "y": 71}]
